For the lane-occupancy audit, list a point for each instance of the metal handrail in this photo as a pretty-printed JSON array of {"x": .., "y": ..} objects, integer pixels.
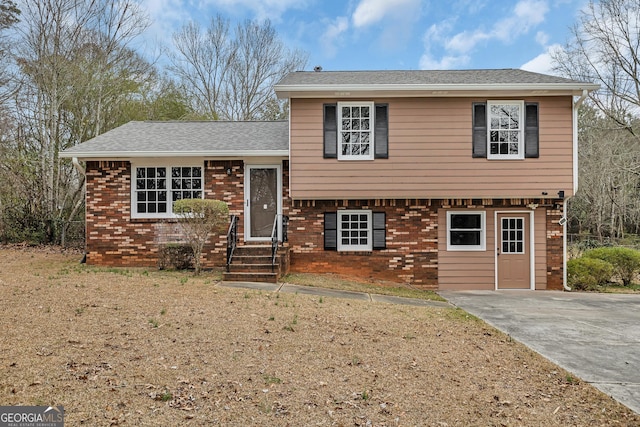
[
  {"x": 274, "y": 237},
  {"x": 232, "y": 239}
]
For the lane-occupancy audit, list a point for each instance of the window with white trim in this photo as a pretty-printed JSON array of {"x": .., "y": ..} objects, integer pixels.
[
  {"x": 505, "y": 129},
  {"x": 155, "y": 188},
  {"x": 355, "y": 130},
  {"x": 466, "y": 231},
  {"x": 354, "y": 230}
]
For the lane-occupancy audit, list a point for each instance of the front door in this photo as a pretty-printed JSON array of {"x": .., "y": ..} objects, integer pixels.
[
  {"x": 262, "y": 201},
  {"x": 513, "y": 252}
]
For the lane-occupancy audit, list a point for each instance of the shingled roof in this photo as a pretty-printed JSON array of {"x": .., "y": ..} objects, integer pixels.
[
  {"x": 421, "y": 77},
  {"x": 424, "y": 82},
  {"x": 176, "y": 138}
]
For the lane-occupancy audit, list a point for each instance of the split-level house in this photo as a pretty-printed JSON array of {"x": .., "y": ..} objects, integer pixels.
[{"x": 441, "y": 179}]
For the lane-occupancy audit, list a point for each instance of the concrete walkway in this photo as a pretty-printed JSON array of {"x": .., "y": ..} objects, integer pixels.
[
  {"x": 594, "y": 336},
  {"x": 334, "y": 293}
]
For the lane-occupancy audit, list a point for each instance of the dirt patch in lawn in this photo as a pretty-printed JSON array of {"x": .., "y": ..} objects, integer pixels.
[{"x": 149, "y": 348}]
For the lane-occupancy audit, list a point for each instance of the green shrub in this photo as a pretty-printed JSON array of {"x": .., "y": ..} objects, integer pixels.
[
  {"x": 584, "y": 274},
  {"x": 625, "y": 261}
]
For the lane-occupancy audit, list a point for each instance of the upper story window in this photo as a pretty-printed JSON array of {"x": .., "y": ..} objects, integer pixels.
[
  {"x": 355, "y": 131},
  {"x": 505, "y": 130},
  {"x": 505, "y": 134},
  {"x": 155, "y": 188}
]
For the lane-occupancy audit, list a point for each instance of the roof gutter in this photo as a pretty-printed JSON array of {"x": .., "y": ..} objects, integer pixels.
[
  {"x": 136, "y": 154},
  {"x": 439, "y": 90}
]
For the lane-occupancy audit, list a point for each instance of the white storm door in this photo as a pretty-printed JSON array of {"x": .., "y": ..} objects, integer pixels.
[{"x": 263, "y": 200}]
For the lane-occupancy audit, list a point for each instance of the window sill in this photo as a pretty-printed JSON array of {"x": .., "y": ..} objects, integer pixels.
[{"x": 463, "y": 249}]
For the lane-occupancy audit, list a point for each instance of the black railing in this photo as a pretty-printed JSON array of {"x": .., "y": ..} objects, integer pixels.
[
  {"x": 232, "y": 239},
  {"x": 274, "y": 237}
]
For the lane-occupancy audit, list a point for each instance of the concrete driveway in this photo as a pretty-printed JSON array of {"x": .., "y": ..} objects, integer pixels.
[{"x": 596, "y": 337}]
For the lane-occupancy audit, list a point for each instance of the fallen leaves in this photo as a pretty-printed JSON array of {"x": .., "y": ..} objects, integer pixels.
[{"x": 233, "y": 357}]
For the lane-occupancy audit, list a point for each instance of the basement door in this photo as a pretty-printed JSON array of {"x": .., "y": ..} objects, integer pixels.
[
  {"x": 263, "y": 195},
  {"x": 513, "y": 251}
]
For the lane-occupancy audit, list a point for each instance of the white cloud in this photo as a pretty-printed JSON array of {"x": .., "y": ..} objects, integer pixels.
[
  {"x": 369, "y": 12},
  {"x": 525, "y": 15},
  {"x": 465, "y": 41},
  {"x": 332, "y": 34},
  {"x": 543, "y": 62},
  {"x": 427, "y": 62},
  {"x": 166, "y": 17},
  {"x": 435, "y": 36},
  {"x": 542, "y": 38},
  {"x": 263, "y": 9}
]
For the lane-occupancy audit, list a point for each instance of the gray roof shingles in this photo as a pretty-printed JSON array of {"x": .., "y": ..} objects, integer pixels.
[
  {"x": 421, "y": 77},
  {"x": 182, "y": 138}
]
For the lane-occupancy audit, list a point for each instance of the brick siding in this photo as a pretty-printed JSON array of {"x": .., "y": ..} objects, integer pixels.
[{"x": 555, "y": 250}]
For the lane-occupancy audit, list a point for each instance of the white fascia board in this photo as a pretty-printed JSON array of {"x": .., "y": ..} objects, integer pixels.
[
  {"x": 148, "y": 154},
  {"x": 450, "y": 90}
]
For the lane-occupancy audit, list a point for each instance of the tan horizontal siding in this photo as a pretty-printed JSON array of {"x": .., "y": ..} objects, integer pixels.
[
  {"x": 540, "y": 232},
  {"x": 476, "y": 269},
  {"x": 453, "y": 267},
  {"x": 430, "y": 155}
]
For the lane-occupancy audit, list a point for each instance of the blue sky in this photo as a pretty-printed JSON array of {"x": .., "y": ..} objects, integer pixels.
[{"x": 394, "y": 34}]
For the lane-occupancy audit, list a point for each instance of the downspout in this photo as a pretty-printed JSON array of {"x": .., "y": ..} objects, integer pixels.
[
  {"x": 77, "y": 165},
  {"x": 576, "y": 106},
  {"x": 83, "y": 171},
  {"x": 564, "y": 248}
]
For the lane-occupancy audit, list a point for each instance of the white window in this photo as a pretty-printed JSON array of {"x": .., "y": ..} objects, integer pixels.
[
  {"x": 355, "y": 130},
  {"x": 354, "y": 230},
  {"x": 155, "y": 188},
  {"x": 466, "y": 231},
  {"x": 505, "y": 125}
]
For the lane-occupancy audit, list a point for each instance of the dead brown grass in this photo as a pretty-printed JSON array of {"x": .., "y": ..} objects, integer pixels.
[{"x": 149, "y": 348}]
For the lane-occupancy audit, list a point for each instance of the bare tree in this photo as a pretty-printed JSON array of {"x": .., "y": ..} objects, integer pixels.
[
  {"x": 201, "y": 61},
  {"x": 9, "y": 16},
  {"x": 231, "y": 76},
  {"x": 260, "y": 61},
  {"x": 198, "y": 219},
  {"x": 607, "y": 202},
  {"x": 604, "y": 49},
  {"x": 75, "y": 73}
]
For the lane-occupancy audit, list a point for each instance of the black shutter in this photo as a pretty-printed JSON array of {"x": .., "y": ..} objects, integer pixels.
[
  {"x": 379, "y": 230},
  {"x": 531, "y": 133},
  {"x": 479, "y": 129},
  {"x": 330, "y": 231},
  {"x": 330, "y": 131},
  {"x": 381, "y": 136}
]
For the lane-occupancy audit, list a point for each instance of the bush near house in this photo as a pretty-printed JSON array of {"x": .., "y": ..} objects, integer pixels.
[
  {"x": 199, "y": 218},
  {"x": 587, "y": 274},
  {"x": 625, "y": 261}
]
